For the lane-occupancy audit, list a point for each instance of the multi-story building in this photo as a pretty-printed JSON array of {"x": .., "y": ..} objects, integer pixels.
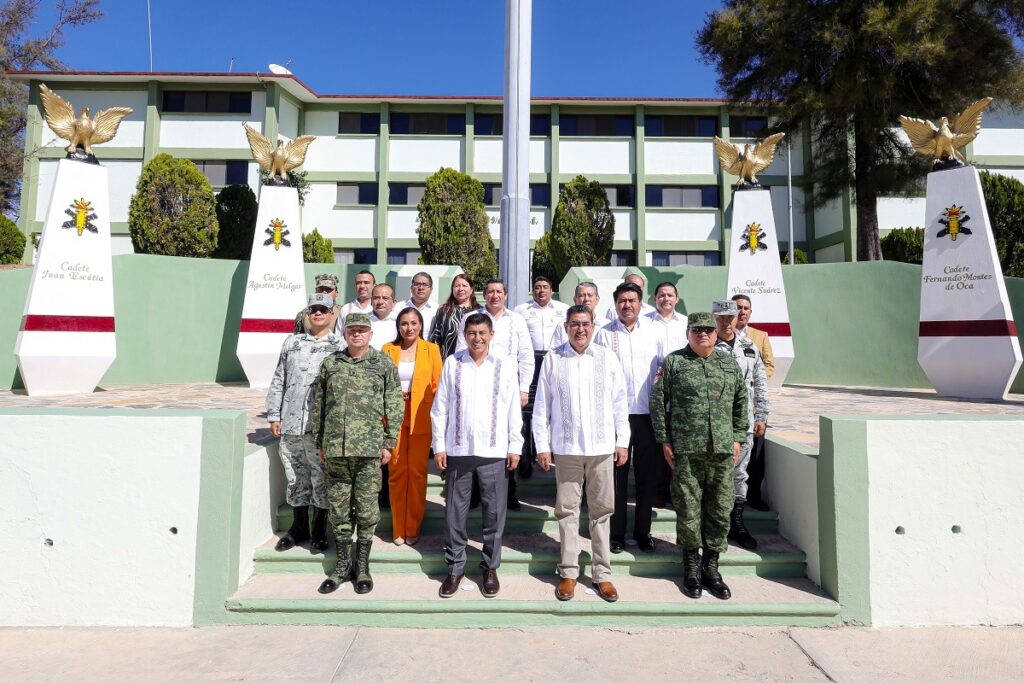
[{"x": 368, "y": 166}]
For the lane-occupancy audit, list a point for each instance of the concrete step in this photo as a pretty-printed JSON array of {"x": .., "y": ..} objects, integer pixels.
[
  {"x": 526, "y": 600},
  {"x": 538, "y": 554},
  {"x": 538, "y": 516}
]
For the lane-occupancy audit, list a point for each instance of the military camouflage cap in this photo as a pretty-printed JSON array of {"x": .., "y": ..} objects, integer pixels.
[
  {"x": 724, "y": 307},
  {"x": 356, "y": 319},
  {"x": 327, "y": 280},
  {"x": 324, "y": 300},
  {"x": 700, "y": 319}
]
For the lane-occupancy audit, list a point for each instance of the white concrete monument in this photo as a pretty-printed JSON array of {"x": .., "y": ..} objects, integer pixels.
[
  {"x": 66, "y": 343},
  {"x": 755, "y": 270},
  {"x": 275, "y": 289},
  {"x": 968, "y": 342}
]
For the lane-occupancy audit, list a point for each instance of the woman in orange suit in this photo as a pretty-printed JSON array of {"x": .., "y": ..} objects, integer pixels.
[{"x": 419, "y": 369}]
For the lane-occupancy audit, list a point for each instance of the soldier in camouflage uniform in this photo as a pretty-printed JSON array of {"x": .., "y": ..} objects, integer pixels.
[
  {"x": 288, "y": 406},
  {"x": 752, "y": 368},
  {"x": 325, "y": 284},
  {"x": 357, "y": 413},
  {"x": 699, "y": 411}
]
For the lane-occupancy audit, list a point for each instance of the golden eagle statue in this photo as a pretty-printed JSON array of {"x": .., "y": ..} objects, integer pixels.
[
  {"x": 277, "y": 161},
  {"x": 81, "y": 132},
  {"x": 941, "y": 142},
  {"x": 749, "y": 161}
]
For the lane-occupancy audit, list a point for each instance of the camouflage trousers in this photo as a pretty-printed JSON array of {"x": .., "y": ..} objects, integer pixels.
[
  {"x": 352, "y": 488},
  {"x": 303, "y": 470},
  {"x": 739, "y": 473},
  {"x": 702, "y": 494}
]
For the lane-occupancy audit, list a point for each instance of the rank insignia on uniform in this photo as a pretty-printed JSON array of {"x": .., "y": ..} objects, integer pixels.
[
  {"x": 277, "y": 232},
  {"x": 753, "y": 238},
  {"x": 954, "y": 218},
  {"x": 81, "y": 217}
]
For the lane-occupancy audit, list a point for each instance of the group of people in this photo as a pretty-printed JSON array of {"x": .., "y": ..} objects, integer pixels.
[{"x": 363, "y": 395}]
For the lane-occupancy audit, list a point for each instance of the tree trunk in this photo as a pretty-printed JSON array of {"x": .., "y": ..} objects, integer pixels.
[{"x": 868, "y": 246}]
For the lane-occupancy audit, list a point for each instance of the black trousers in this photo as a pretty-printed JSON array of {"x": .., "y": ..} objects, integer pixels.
[
  {"x": 525, "y": 468},
  {"x": 649, "y": 471},
  {"x": 755, "y": 470}
]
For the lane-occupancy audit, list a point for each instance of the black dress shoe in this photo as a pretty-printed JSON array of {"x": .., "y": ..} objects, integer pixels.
[
  {"x": 758, "y": 504},
  {"x": 450, "y": 585},
  {"x": 645, "y": 544},
  {"x": 491, "y": 585},
  {"x": 616, "y": 546},
  {"x": 513, "y": 504},
  {"x": 328, "y": 586},
  {"x": 286, "y": 543}
]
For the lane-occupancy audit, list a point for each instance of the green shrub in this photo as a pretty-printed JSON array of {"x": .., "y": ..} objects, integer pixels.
[
  {"x": 904, "y": 244},
  {"x": 172, "y": 211},
  {"x": 453, "y": 225},
  {"x": 541, "y": 264},
  {"x": 583, "y": 227},
  {"x": 316, "y": 249},
  {"x": 12, "y": 242},
  {"x": 236, "y": 216},
  {"x": 799, "y": 257},
  {"x": 1005, "y": 199}
]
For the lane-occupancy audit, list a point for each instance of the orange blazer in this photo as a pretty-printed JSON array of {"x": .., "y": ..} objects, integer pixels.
[{"x": 425, "y": 378}]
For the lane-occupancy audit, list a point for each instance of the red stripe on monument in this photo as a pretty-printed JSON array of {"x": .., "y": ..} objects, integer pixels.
[
  {"x": 774, "y": 329},
  {"x": 968, "y": 328},
  {"x": 67, "y": 323},
  {"x": 266, "y": 325}
]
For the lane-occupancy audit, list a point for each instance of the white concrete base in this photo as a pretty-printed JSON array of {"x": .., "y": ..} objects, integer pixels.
[
  {"x": 755, "y": 269},
  {"x": 67, "y": 341},
  {"x": 968, "y": 345},
  {"x": 276, "y": 287}
]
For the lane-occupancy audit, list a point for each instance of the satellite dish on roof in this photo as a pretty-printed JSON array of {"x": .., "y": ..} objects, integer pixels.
[{"x": 279, "y": 70}]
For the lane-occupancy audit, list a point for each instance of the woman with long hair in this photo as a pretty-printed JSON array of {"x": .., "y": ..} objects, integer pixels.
[
  {"x": 419, "y": 370},
  {"x": 445, "y": 330}
]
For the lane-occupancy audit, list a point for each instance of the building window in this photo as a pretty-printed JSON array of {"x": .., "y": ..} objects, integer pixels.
[
  {"x": 428, "y": 124},
  {"x": 620, "y": 125},
  {"x": 223, "y": 173},
  {"x": 747, "y": 126},
  {"x": 493, "y": 124},
  {"x": 213, "y": 102},
  {"x": 405, "y": 194},
  {"x": 682, "y": 126},
  {"x": 355, "y": 123},
  {"x": 356, "y": 256},
  {"x": 704, "y": 196},
  {"x": 621, "y": 196},
  {"x": 666, "y": 259},
  {"x": 402, "y": 257},
  {"x": 623, "y": 258},
  {"x": 352, "y": 194}
]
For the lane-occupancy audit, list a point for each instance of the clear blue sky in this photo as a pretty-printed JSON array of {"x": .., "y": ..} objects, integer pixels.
[{"x": 601, "y": 48}]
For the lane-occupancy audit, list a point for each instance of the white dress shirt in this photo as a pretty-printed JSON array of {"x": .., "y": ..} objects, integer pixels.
[
  {"x": 352, "y": 307},
  {"x": 581, "y": 406},
  {"x": 511, "y": 338},
  {"x": 542, "y": 321},
  {"x": 428, "y": 311},
  {"x": 384, "y": 330},
  {"x": 476, "y": 409},
  {"x": 640, "y": 353},
  {"x": 673, "y": 331}
]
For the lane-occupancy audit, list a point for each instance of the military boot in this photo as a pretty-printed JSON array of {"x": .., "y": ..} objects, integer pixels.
[
  {"x": 343, "y": 569},
  {"x": 299, "y": 530},
  {"x": 691, "y": 574},
  {"x": 319, "y": 537},
  {"x": 737, "y": 530},
  {"x": 364, "y": 582},
  {"x": 710, "y": 578}
]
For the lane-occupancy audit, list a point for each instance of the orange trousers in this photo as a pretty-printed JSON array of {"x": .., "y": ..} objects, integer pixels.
[{"x": 408, "y": 481}]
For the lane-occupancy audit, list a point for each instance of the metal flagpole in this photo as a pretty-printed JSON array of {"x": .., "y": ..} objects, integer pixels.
[
  {"x": 789, "y": 183},
  {"x": 514, "y": 257},
  {"x": 149, "y": 23}
]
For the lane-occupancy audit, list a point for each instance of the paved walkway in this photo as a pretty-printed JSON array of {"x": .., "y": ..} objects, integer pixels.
[
  {"x": 319, "y": 653},
  {"x": 795, "y": 410}
]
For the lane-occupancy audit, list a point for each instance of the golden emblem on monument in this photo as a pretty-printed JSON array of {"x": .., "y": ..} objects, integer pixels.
[
  {"x": 753, "y": 239},
  {"x": 277, "y": 161},
  {"x": 81, "y": 217},
  {"x": 81, "y": 132},
  {"x": 942, "y": 141},
  {"x": 748, "y": 161}
]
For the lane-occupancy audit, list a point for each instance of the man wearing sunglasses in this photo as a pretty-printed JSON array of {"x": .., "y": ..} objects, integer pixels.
[
  {"x": 325, "y": 283},
  {"x": 699, "y": 412},
  {"x": 289, "y": 402}
]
